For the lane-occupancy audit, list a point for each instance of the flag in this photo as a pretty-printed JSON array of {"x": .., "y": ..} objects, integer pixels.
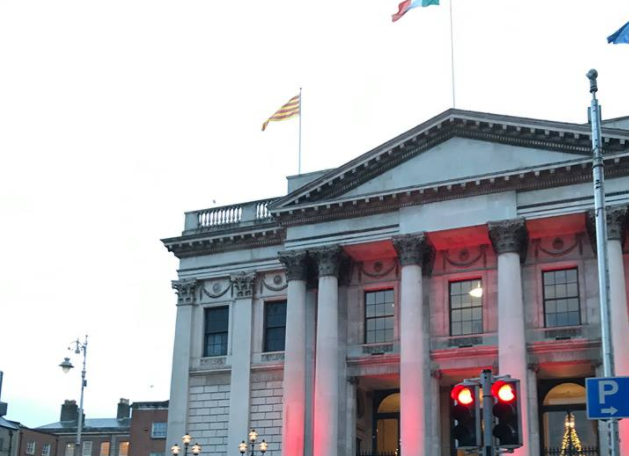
[
  {"x": 288, "y": 111},
  {"x": 621, "y": 36},
  {"x": 407, "y": 5}
]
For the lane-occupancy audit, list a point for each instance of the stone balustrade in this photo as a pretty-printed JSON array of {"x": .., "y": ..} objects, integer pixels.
[{"x": 228, "y": 216}]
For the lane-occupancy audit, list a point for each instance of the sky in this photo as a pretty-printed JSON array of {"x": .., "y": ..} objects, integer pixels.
[{"x": 118, "y": 116}]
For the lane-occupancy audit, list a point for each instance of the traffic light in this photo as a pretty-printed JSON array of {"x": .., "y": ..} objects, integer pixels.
[
  {"x": 466, "y": 413},
  {"x": 508, "y": 427}
]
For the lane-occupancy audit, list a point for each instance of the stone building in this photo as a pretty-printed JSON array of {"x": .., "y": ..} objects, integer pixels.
[{"x": 336, "y": 319}]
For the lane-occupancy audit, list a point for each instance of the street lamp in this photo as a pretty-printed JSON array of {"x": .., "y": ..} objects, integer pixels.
[
  {"x": 253, "y": 436},
  {"x": 186, "y": 439},
  {"x": 66, "y": 365}
]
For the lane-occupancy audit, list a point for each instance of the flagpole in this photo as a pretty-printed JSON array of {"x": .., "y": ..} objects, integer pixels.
[
  {"x": 452, "y": 56},
  {"x": 299, "y": 160}
]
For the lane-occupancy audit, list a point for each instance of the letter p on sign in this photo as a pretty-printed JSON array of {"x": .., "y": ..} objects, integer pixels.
[{"x": 606, "y": 388}]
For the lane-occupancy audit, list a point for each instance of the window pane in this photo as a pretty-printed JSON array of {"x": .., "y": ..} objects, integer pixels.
[
  {"x": 466, "y": 311},
  {"x": 158, "y": 430},
  {"x": 104, "y": 449},
  {"x": 216, "y": 327},
  {"x": 379, "y": 312},
  {"x": 87, "y": 448},
  {"x": 274, "y": 326},
  {"x": 69, "y": 449},
  {"x": 561, "y": 284},
  {"x": 123, "y": 449}
]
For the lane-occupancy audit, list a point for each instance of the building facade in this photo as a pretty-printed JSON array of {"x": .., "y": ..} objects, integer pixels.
[
  {"x": 149, "y": 422},
  {"x": 336, "y": 319},
  {"x": 37, "y": 443}
]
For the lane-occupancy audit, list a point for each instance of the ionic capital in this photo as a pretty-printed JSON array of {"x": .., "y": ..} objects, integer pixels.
[
  {"x": 328, "y": 260},
  {"x": 414, "y": 249},
  {"x": 509, "y": 236},
  {"x": 186, "y": 291},
  {"x": 295, "y": 263},
  {"x": 243, "y": 284}
]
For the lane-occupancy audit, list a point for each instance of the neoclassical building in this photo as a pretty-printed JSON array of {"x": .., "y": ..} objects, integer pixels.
[{"x": 336, "y": 319}]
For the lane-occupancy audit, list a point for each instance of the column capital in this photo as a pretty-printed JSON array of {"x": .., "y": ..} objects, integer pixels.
[
  {"x": 243, "y": 284},
  {"x": 186, "y": 291},
  {"x": 414, "y": 249},
  {"x": 508, "y": 236},
  {"x": 328, "y": 260},
  {"x": 295, "y": 263},
  {"x": 616, "y": 224}
]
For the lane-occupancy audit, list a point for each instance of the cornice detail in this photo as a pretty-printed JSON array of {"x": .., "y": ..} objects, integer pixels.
[
  {"x": 415, "y": 249},
  {"x": 509, "y": 236},
  {"x": 328, "y": 260},
  {"x": 295, "y": 263},
  {"x": 243, "y": 284},
  {"x": 617, "y": 218},
  {"x": 186, "y": 291}
]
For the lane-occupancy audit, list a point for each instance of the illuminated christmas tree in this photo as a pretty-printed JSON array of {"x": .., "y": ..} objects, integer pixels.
[{"x": 571, "y": 444}]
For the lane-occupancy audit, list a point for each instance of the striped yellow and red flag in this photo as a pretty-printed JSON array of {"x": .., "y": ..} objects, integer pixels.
[{"x": 288, "y": 111}]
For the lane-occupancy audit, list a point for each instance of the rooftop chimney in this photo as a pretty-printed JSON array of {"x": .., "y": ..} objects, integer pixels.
[
  {"x": 124, "y": 409},
  {"x": 69, "y": 411}
]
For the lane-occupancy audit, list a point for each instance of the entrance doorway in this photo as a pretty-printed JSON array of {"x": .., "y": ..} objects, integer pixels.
[{"x": 386, "y": 436}]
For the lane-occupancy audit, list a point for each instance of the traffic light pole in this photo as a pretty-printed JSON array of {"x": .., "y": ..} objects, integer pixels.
[
  {"x": 486, "y": 381},
  {"x": 594, "y": 113}
]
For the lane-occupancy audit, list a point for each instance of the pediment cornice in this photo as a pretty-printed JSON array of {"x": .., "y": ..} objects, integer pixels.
[{"x": 516, "y": 131}]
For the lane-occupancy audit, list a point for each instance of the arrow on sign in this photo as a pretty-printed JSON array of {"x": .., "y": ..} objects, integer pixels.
[{"x": 609, "y": 410}]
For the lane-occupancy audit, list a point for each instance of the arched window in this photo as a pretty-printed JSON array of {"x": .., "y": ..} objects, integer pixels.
[{"x": 387, "y": 423}]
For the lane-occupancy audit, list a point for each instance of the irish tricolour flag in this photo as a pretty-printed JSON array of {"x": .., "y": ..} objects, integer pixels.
[{"x": 407, "y": 5}]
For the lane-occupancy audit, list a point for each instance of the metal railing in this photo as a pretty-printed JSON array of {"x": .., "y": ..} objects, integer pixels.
[
  {"x": 226, "y": 216},
  {"x": 571, "y": 451}
]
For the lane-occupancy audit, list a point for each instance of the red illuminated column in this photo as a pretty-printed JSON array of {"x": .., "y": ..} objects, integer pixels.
[
  {"x": 326, "y": 389},
  {"x": 294, "y": 406},
  {"x": 414, "y": 252},
  {"x": 509, "y": 239}
]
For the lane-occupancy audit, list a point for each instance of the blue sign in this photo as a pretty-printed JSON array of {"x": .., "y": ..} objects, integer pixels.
[{"x": 607, "y": 397}]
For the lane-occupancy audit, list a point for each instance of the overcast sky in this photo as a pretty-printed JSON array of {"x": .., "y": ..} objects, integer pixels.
[{"x": 117, "y": 116}]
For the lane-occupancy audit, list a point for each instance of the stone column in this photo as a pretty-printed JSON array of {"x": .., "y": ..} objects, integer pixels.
[
  {"x": 616, "y": 227},
  {"x": 509, "y": 239},
  {"x": 414, "y": 252},
  {"x": 294, "y": 406},
  {"x": 435, "y": 415},
  {"x": 179, "y": 384},
  {"x": 326, "y": 389},
  {"x": 241, "y": 325}
]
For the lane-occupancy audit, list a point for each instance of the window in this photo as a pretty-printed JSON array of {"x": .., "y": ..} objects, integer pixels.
[
  {"x": 274, "y": 326},
  {"x": 466, "y": 307},
  {"x": 87, "y": 448},
  {"x": 69, "y": 449},
  {"x": 123, "y": 449},
  {"x": 158, "y": 431},
  {"x": 216, "y": 324},
  {"x": 156, "y": 454},
  {"x": 104, "y": 449},
  {"x": 45, "y": 449},
  {"x": 379, "y": 316},
  {"x": 561, "y": 298},
  {"x": 30, "y": 448}
]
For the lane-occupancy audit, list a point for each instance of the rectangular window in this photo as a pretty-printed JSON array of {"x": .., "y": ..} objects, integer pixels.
[
  {"x": 379, "y": 316},
  {"x": 158, "y": 431},
  {"x": 30, "y": 448},
  {"x": 45, "y": 449},
  {"x": 69, "y": 449},
  {"x": 466, "y": 307},
  {"x": 561, "y": 298},
  {"x": 87, "y": 448},
  {"x": 274, "y": 326},
  {"x": 216, "y": 328},
  {"x": 104, "y": 449},
  {"x": 123, "y": 449}
]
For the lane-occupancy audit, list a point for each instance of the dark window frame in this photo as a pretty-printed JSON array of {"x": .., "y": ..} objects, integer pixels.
[
  {"x": 275, "y": 328},
  {"x": 219, "y": 336},
  {"x": 472, "y": 307},
  {"x": 385, "y": 318},
  {"x": 546, "y": 301}
]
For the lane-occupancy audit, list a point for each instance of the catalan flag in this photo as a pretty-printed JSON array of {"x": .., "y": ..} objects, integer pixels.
[{"x": 288, "y": 111}]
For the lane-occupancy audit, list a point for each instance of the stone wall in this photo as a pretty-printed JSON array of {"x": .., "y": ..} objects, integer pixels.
[
  {"x": 266, "y": 408},
  {"x": 209, "y": 413}
]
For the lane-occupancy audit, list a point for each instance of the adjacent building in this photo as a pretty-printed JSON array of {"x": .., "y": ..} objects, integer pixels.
[
  {"x": 149, "y": 422},
  {"x": 336, "y": 319}
]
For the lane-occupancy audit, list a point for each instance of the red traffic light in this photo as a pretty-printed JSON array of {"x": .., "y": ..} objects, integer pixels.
[
  {"x": 463, "y": 395},
  {"x": 503, "y": 391}
]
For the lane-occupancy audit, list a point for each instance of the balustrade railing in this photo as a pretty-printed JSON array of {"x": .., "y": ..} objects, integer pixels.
[
  {"x": 571, "y": 451},
  {"x": 222, "y": 217}
]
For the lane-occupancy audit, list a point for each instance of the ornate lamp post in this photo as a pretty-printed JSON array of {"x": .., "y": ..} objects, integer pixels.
[
  {"x": 253, "y": 437},
  {"x": 186, "y": 439},
  {"x": 66, "y": 365}
]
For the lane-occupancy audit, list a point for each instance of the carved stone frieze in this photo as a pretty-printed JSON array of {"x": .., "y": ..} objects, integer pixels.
[
  {"x": 616, "y": 225},
  {"x": 509, "y": 236},
  {"x": 329, "y": 260},
  {"x": 295, "y": 263},
  {"x": 243, "y": 284},
  {"x": 415, "y": 249},
  {"x": 186, "y": 291}
]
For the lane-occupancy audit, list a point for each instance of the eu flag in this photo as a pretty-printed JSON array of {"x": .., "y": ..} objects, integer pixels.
[{"x": 621, "y": 36}]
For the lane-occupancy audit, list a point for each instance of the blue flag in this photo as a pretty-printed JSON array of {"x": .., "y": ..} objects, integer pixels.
[{"x": 621, "y": 36}]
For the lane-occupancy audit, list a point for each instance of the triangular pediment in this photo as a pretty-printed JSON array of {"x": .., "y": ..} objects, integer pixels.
[{"x": 454, "y": 145}]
